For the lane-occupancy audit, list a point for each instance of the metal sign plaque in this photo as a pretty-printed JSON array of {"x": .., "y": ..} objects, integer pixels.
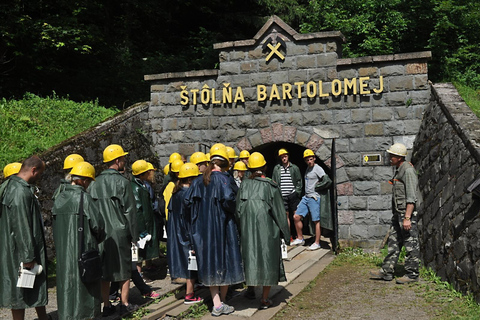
[{"x": 372, "y": 159}]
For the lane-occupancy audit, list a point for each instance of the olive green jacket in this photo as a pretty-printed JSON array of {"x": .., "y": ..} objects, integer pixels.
[
  {"x": 294, "y": 173},
  {"x": 21, "y": 240},
  {"x": 262, "y": 222},
  {"x": 114, "y": 196},
  {"x": 75, "y": 299}
]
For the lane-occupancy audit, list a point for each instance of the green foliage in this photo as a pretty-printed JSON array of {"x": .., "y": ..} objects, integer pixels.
[
  {"x": 471, "y": 97},
  {"x": 34, "y": 124}
]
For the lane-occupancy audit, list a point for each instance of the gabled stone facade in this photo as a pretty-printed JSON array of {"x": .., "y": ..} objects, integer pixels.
[{"x": 271, "y": 112}]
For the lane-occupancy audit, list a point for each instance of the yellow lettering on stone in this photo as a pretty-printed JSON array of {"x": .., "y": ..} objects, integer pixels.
[
  {"x": 336, "y": 87},
  {"x": 274, "y": 93},
  {"x": 205, "y": 95},
  {"x": 184, "y": 96},
  {"x": 299, "y": 89},
  {"x": 363, "y": 85},
  {"x": 261, "y": 92},
  {"x": 320, "y": 90},
  {"x": 311, "y": 89},
  {"x": 287, "y": 91},
  {"x": 194, "y": 97},
  {"x": 352, "y": 84},
  {"x": 381, "y": 86},
  {"x": 214, "y": 98},
  {"x": 227, "y": 93},
  {"x": 239, "y": 95}
]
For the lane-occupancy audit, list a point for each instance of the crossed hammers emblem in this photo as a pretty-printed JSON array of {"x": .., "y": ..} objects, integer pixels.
[{"x": 274, "y": 45}]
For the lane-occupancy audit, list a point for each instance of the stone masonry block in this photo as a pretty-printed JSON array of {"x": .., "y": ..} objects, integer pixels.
[
  {"x": 256, "y": 54},
  {"x": 237, "y": 55},
  {"x": 277, "y": 129},
  {"x": 297, "y": 76},
  {"x": 200, "y": 123},
  {"x": 361, "y": 115},
  {"x": 417, "y": 68},
  {"x": 288, "y": 64},
  {"x": 396, "y": 98},
  {"x": 306, "y": 62},
  {"x": 421, "y": 82},
  {"x": 400, "y": 83},
  {"x": 398, "y": 70},
  {"x": 316, "y": 48},
  {"x": 381, "y": 173},
  {"x": 379, "y": 202},
  {"x": 227, "y": 68},
  {"x": 331, "y": 47},
  {"x": 342, "y": 116},
  {"x": 365, "y": 218},
  {"x": 249, "y": 67},
  {"x": 317, "y": 75},
  {"x": 270, "y": 66},
  {"x": 259, "y": 78},
  {"x": 261, "y": 121},
  {"x": 314, "y": 142},
  {"x": 279, "y": 77},
  {"x": 223, "y": 56},
  {"x": 302, "y": 137},
  {"x": 345, "y": 217},
  {"x": 357, "y": 203},
  {"x": 289, "y": 134},
  {"x": 374, "y": 129},
  {"x": 235, "y": 134},
  {"x": 244, "y": 144},
  {"x": 339, "y": 162},
  {"x": 359, "y": 232},
  {"x": 327, "y": 59},
  {"x": 345, "y": 189},
  {"x": 365, "y": 188},
  {"x": 352, "y": 130},
  {"x": 294, "y": 49},
  {"x": 267, "y": 135},
  {"x": 359, "y": 173},
  {"x": 255, "y": 139},
  {"x": 368, "y": 72},
  {"x": 381, "y": 114},
  {"x": 349, "y": 74}
]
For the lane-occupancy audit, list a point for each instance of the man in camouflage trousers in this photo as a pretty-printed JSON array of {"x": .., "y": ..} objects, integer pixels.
[{"x": 403, "y": 230}]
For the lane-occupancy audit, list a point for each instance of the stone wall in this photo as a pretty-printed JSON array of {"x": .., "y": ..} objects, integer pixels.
[
  {"x": 360, "y": 123},
  {"x": 130, "y": 129},
  {"x": 446, "y": 155}
]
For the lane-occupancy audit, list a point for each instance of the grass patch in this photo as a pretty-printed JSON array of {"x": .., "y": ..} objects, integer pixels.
[
  {"x": 470, "y": 95},
  {"x": 34, "y": 124}
]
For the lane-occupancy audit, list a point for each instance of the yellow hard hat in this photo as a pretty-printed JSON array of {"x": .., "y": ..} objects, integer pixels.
[
  {"x": 113, "y": 152},
  {"x": 198, "y": 157},
  {"x": 256, "y": 160},
  {"x": 139, "y": 167},
  {"x": 83, "y": 169},
  {"x": 208, "y": 156},
  {"x": 188, "y": 169},
  {"x": 166, "y": 169},
  {"x": 282, "y": 152},
  {"x": 11, "y": 168},
  {"x": 231, "y": 153},
  {"x": 174, "y": 156},
  {"x": 72, "y": 160},
  {"x": 219, "y": 150},
  {"x": 308, "y": 153},
  {"x": 398, "y": 149},
  {"x": 176, "y": 165},
  {"x": 244, "y": 154},
  {"x": 151, "y": 167},
  {"x": 240, "y": 166}
]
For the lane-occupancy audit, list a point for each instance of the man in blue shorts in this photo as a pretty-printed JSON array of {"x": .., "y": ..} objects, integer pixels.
[{"x": 310, "y": 202}]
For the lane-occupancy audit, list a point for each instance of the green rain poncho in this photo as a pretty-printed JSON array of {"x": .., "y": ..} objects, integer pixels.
[
  {"x": 145, "y": 219},
  {"x": 21, "y": 240},
  {"x": 116, "y": 202},
  {"x": 262, "y": 223},
  {"x": 76, "y": 300}
]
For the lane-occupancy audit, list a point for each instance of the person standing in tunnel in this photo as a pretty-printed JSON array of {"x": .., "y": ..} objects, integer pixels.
[
  {"x": 288, "y": 177},
  {"x": 310, "y": 202},
  {"x": 403, "y": 229}
]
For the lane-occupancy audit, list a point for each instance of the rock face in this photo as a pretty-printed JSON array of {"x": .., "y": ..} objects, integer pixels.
[{"x": 446, "y": 154}]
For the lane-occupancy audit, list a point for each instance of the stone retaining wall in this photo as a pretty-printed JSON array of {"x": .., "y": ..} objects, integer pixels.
[{"x": 446, "y": 154}]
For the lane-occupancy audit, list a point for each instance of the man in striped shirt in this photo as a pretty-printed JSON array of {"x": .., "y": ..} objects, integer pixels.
[{"x": 289, "y": 179}]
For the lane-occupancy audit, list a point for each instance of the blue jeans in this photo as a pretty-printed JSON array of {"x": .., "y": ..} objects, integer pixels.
[{"x": 311, "y": 205}]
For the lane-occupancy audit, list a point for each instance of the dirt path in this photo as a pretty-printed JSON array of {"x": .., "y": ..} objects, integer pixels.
[{"x": 346, "y": 292}]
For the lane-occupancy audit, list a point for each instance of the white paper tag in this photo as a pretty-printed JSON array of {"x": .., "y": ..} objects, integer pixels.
[
  {"x": 134, "y": 253},
  {"x": 192, "y": 261},
  {"x": 283, "y": 246}
]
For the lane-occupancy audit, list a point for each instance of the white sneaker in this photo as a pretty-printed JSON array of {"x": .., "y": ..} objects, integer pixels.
[
  {"x": 297, "y": 242},
  {"x": 314, "y": 246}
]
